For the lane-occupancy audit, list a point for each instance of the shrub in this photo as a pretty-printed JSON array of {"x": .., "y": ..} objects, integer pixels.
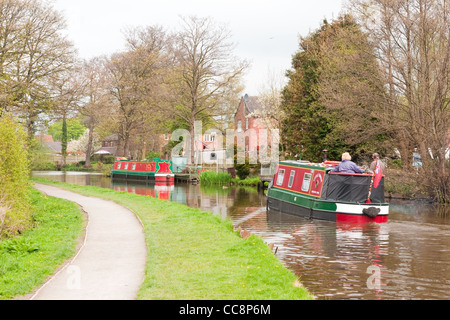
[
  {"x": 242, "y": 170},
  {"x": 14, "y": 173}
]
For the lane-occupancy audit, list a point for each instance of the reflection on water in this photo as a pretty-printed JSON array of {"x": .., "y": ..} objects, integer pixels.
[{"x": 406, "y": 258}]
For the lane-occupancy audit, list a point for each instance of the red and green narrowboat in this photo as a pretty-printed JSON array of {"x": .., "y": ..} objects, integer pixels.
[
  {"x": 310, "y": 190},
  {"x": 153, "y": 171}
]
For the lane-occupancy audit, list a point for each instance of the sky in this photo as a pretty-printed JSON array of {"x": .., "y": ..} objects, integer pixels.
[{"x": 266, "y": 32}]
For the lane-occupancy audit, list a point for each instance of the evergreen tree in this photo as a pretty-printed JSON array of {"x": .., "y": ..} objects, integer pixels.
[{"x": 333, "y": 93}]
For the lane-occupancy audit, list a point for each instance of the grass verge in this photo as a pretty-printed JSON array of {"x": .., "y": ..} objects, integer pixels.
[
  {"x": 27, "y": 260},
  {"x": 195, "y": 255}
]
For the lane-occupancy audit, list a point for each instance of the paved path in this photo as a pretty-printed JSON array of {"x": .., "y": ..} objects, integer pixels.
[{"x": 111, "y": 263}]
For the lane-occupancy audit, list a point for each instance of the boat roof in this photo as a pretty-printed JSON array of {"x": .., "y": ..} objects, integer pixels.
[
  {"x": 138, "y": 161},
  {"x": 307, "y": 164}
]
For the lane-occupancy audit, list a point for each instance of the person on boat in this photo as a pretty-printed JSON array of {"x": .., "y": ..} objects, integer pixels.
[
  {"x": 347, "y": 165},
  {"x": 377, "y": 161}
]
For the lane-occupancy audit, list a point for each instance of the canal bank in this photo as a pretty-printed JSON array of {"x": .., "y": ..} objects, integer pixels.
[
  {"x": 332, "y": 260},
  {"x": 193, "y": 254}
]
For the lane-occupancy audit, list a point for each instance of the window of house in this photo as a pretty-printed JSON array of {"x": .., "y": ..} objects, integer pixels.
[
  {"x": 280, "y": 177},
  {"x": 291, "y": 179},
  {"x": 306, "y": 182},
  {"x": 246, "y": 124},
  {"x": 239, "y": 126},
  {"x": 210, "y": 137}
]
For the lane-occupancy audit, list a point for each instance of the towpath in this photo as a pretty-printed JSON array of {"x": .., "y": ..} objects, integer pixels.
[{"x": 110, "y": 265}]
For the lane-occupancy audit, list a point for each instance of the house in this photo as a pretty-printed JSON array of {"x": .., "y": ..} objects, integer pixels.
[
  {"x": 248, "y": 123},
  {"x": 109, "y": 145},
  {"x": 54, "y": 150},
  {"x": 53, "y": 147}
]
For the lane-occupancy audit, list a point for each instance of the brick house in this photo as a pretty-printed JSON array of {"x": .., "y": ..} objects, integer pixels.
[
  {"x": 109, "y": 144},
  {"x": 246, "y": 122}
]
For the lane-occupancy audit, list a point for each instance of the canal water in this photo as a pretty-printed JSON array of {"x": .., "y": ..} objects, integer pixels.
[{"x": 406, "y": 258}]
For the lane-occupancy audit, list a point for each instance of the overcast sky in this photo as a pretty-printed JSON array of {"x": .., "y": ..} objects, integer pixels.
[{"x": 266, "y": 31}]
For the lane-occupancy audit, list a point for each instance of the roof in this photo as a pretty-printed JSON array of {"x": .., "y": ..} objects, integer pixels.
[
  {"x": 44, "y": 137},
  {"x": 113, "y": 137},
  {"x": 252, "y": 103},
  {"x": 54, "y": 147},
  {"x": 111, "y": 150}
]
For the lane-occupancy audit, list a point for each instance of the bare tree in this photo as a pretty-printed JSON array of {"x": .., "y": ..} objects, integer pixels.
[
  {"x": 207, "y": 69},
  {"x": 136, "y": 77},
  {"x": 97, "y": 106},
  {"x": 32, "y": 51},
  {"x": 68, "y": 91},
  {"x": 270, "y": 99},
  {"x": 412, "y": 38}
]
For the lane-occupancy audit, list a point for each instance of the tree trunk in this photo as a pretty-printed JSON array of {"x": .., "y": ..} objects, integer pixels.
[
  {"x": 87, "y": 163},
  {"x": 64, "y": 140}
]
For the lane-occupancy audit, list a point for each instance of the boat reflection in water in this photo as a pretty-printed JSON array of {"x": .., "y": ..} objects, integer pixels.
[
  {"x": 159, "y": 190},
  {"x": 335, "y": 260}
]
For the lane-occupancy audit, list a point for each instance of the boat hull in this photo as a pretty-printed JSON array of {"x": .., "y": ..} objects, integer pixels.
[
  {"x": 145, "y": 171},
  {"x": 143, "y": 177},
  {"x": 331, "y": 211}
]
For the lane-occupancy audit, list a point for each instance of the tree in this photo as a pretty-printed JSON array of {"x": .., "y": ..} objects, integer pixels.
[
  {"x": 412, "y": 41},
  {"x": 32, "y": 52},
  {"x": 207, "y": 71},
  {"x": 304, "y": 128},
  {"x": 75, "y": 129},
  {"x": 98, "y": 103},
  {"x": 136, "y": 77},
  {"x": 15, "y": 215},
  {"x": 333, "y": 94},
  {"x": 352, "y": 90},
  {"x": 68, "y": 90}
]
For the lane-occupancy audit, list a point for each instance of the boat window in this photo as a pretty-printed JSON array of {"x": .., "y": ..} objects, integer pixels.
[
  {"x": 126, "y": 166},
  {"x": 280, "y": 177},
  {"x": 291, "y": 178},
  {"x": 119, "y": 165},
  {"x": 134, "y": 166},
  {"x": 306, "y": 182}
]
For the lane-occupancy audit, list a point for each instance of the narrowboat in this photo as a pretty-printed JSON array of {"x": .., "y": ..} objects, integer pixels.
[
  {"x": 153, "y": 171},
  {"x": 311, "y": 190}
]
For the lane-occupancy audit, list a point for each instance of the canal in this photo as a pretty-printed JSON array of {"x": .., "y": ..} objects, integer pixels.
[{"x": 406, "y": 258}]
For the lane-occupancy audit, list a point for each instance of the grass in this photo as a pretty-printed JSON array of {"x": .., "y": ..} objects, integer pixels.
[
  {"x": 27, "y": 260},
  {"x": 195, "y": 255},
  {"x": 224, "y": 178},
  {"x": 250, "y": 181},
  {"x": 401, "y": 183},
  {"x": 212, "y": 177}
]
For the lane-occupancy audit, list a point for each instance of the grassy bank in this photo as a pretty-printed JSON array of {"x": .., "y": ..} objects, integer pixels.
[
  {"x": 250, "y": 181},
  {"x": 27, "y": 260},
  {"x": 402, "y": 184},
  {"x": 195, "y": 255},
  {"x": 224, "y": 178}
]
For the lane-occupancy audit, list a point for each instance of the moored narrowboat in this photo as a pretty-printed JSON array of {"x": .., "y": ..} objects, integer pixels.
[
  {"x": 153, "y": 171},
  {"x": 311, "y": 190}
]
